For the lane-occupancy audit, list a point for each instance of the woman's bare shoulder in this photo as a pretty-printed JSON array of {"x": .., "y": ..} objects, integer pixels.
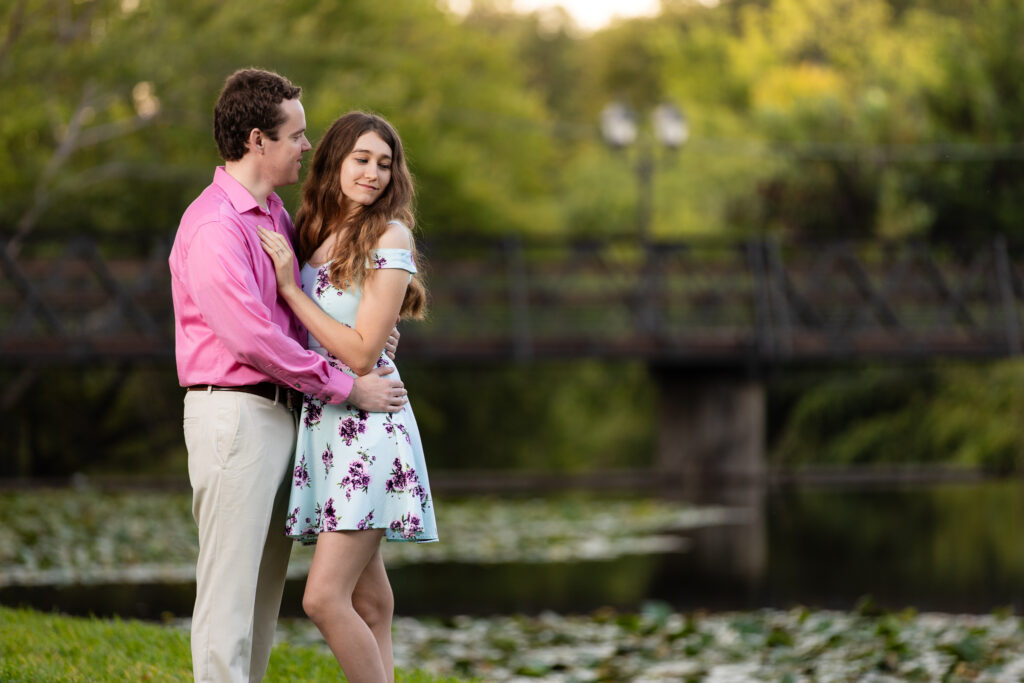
[{"x": 397, "y": 236}]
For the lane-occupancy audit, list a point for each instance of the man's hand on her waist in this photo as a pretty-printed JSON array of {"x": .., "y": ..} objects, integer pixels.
[
  {"x": 391, "y": 343},
  {"x": 376, "y": 393}
]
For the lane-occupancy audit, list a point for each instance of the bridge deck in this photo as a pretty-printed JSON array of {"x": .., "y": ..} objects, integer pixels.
[{"x": 760, "y": 302}]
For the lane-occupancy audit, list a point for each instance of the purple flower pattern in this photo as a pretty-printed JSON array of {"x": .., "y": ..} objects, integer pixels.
[
  {"x": 409, "y": 526},
  {"x": 323, "y": 283},
  {"x": 330, "y": 516},
  {"x": 350, "y": 428},
  {"x": 366, "y": 522},
  {"x": 301, "y": 474},
  {"x": 313, "y": 525},
  {"x": 405, "y": 479},
  {"x": 313, "y": 410},
  {"x": 327, "y": 457},
  {"x": 357, "y": 479},
  {"x": 390, "y": 427},
  {"x": 293, "y": 519},
  {"x": 336, "y": 362},
  {"x": 380, "y": 473}
]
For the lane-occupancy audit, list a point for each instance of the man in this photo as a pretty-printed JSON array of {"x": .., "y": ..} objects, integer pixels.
[{"x": 239, "y": 350}]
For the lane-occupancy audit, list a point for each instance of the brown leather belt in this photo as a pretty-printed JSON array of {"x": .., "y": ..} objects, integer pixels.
[{"x": 268, "y": 390}]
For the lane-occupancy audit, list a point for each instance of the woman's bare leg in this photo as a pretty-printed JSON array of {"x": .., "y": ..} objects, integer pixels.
[
  {"x": 375, "y": 603},
  {"x": 338, "y": 564}
]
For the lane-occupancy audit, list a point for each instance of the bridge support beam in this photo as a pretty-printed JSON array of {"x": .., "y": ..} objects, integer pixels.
[
  {"x": 711, "y": 431},
  {"x": 711, "y": 437}
]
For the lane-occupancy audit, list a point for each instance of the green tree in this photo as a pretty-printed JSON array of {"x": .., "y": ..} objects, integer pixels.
[
  {"x": 111, "y": 132},
  {"x": 978, "y": 109},
  {"x": 838, "y": 88}
]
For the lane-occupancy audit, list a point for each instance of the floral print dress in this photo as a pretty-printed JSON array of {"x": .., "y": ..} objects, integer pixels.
[{"x": 354, "y": 469}]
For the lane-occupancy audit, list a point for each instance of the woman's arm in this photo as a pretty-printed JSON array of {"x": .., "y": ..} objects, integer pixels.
[{"x": 383, "y": 290}]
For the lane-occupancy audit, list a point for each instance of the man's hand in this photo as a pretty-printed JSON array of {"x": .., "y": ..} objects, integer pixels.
[
  {"x": 376, "y": 393},
  {"x": 391, "y": 345}
]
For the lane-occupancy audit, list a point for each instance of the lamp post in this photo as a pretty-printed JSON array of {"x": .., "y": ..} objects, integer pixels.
[{"x": 619, "y": 129}]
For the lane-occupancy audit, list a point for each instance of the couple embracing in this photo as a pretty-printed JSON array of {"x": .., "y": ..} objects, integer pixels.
[{"x": 296, "y": 424}]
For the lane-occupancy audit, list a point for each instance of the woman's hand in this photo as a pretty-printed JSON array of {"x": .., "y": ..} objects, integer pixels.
[{"x": 280, "y": 253}]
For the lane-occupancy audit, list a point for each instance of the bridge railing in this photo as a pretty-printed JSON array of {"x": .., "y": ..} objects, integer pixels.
[
  {"x": 72, "y": 304},
  {"x": 909, "y": 299},
  {"x": 754, "y": 301},
  {"x": 751, "y": 301}
]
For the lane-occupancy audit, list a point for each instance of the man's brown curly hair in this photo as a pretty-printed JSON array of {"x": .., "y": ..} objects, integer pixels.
[{"x": 251, "y": 98}]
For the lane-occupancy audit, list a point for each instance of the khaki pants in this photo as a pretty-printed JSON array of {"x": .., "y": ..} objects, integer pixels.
[{"x": 240, "y": 450}]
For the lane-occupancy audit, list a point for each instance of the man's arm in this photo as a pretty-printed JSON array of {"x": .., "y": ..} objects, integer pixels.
[{"x": 224, "y": 289}]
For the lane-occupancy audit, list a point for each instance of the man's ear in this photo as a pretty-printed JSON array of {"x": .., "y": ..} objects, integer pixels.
[{"x": 255, "y": 141}]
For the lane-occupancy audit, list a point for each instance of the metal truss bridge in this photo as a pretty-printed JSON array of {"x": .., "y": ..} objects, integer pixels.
[{"x": 750, "y": 303}]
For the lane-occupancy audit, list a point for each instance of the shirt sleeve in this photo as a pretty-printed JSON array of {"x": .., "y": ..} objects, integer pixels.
[{"x": 224, "y": 288}]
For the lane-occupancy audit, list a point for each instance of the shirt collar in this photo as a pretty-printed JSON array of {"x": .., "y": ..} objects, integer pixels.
[{"x": 240, "y": 197}]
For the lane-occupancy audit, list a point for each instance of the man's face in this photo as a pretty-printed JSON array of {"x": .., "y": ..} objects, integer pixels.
[{"x": 282, "y": 158}]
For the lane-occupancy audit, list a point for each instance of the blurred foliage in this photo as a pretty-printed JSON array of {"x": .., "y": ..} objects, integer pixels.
[
  {"x": 958, "y": 414},
  {"x": 851, "y": 118},
  {"x": 117, "y": 419},
  {"x": 840, "y": 117},
  {"x": 112, "y": 135},
  {"x": 555, "y": 417}
]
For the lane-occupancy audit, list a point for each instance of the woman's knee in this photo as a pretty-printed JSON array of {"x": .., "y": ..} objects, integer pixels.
[
  {"x": 375, "y": 607},
  {"x": 317, "y": 604}
]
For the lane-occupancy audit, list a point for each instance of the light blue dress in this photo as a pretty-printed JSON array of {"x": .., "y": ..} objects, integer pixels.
[{"x": 354, "y": 469}]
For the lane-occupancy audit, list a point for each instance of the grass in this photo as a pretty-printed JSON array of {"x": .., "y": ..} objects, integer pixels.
[
  {"x": 52, "y": 648},
  {"x": 656, "y": 644}
]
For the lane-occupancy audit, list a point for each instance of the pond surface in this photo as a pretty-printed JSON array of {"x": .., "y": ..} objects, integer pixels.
[{"x": 952, "y": 548}]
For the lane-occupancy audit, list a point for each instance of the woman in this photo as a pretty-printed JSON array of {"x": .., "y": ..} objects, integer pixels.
[{"x": 359, "y": 477}]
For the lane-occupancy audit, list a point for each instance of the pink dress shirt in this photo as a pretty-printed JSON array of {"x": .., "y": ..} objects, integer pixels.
[{"x": 230, "y": 326}]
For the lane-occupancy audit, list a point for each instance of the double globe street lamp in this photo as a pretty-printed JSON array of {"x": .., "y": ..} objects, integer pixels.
[{"x": 620, "y": 130}]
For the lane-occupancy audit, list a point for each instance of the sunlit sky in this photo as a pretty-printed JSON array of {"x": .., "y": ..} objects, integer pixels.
[
  {"x": 589, "y": 15},
  {"x": 593, "y": 14}
]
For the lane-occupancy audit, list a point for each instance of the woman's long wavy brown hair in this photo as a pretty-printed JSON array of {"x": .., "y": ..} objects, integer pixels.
[{"x": 326, "y": 211}]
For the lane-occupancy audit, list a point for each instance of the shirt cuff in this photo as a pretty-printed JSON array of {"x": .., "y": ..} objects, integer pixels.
[{"x": 338, "y": 387}]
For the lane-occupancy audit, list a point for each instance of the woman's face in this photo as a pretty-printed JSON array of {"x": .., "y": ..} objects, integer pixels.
[{"x": 366, "y": 171}]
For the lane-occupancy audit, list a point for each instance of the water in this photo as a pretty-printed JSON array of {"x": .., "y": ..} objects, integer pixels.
[
  {"x": 952, "y": 548},
  {"x": 956, "y": 547}
]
